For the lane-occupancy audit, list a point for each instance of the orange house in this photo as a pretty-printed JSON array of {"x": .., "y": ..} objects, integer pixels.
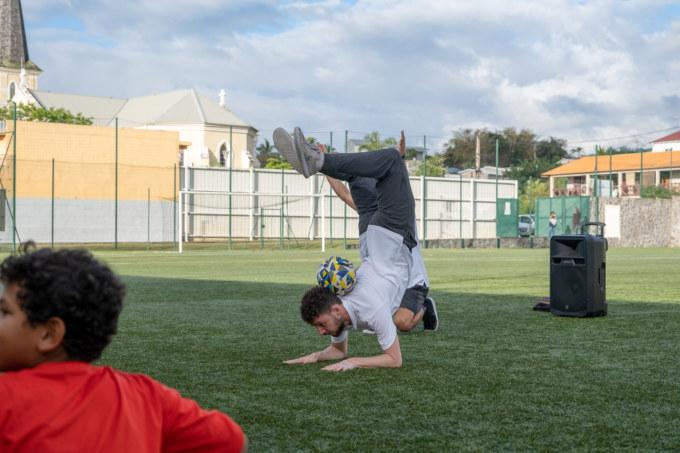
[{"x": 618, "y": 175}]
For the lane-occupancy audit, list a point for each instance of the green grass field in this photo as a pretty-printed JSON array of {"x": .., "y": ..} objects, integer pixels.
[{"x": 497, "y": 376}]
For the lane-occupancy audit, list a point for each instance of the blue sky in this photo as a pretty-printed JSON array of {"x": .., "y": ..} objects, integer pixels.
[{"x": 591, "y": 72}]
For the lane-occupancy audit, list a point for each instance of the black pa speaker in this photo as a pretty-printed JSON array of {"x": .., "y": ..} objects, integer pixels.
[{"x": 578, "y": 275}]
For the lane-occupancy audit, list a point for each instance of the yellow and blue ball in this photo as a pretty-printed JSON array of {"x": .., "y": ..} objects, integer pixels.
[{"x": 337, "y": 274}]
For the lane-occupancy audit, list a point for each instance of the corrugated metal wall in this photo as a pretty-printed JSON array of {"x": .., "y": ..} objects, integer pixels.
[{"x": 222, "y": 203}]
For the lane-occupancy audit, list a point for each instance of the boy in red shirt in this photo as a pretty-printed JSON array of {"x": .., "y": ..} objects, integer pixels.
[{"x": 58, "y": 312}]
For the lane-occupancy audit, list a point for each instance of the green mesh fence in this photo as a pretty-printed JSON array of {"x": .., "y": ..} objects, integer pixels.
[{"x": 565, "y": 210}]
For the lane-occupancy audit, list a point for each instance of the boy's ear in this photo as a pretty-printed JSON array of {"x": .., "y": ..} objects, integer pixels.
[{"x": 53, "y": 331}]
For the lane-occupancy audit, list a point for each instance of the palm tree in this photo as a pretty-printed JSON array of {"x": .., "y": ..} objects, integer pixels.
[
  {"x": 372, "y": 141},
  {"x": 265, "y": 151}
]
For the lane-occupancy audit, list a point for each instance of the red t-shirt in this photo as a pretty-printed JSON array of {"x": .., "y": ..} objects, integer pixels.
[{"x": 77, "y": 407}]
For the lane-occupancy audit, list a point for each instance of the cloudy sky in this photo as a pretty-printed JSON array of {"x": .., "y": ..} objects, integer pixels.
[{"x": 592, "y": 72}]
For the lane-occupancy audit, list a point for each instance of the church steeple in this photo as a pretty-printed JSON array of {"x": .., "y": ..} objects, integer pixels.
[
  {"x": 18, "y": 74},
  {"x": 13, "y": 46}
]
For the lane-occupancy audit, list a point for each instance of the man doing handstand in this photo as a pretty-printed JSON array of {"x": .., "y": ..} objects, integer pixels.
[
  {"x": 383, "y": 276},
  {"x": 361, "y": 196}
]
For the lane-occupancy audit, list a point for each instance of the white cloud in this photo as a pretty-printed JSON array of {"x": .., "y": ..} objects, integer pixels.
[{"x": 577, "y": 70}]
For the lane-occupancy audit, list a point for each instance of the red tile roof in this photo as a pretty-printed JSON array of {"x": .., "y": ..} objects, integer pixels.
[
  {"x": 620, "y": 162},
  {"x": 674, "y": 137}
]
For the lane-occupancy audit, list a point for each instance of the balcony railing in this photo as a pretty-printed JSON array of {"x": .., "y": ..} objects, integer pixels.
[{"x": 626, "y": 191}]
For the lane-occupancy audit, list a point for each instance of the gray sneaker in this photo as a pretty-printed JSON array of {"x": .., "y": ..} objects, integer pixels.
[
  {"x": 430, "y": 318},
  {"x": 286, "y": 147},
  {"x": 310, "y": 156}
]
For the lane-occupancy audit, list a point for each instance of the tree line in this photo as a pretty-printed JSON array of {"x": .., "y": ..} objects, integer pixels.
[
  {"x": 30, "y": 112},
  {"x": 520, "y": 150}
]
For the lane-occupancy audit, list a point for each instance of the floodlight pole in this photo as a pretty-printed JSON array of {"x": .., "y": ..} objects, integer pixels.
[
  {"x": 231, "y": 177},
  {"x": 641, "y": 170},
  {"x": 531, "y": 210},
  {"x": 261, "y": 228},
  {"x": 596, "y": 192},
  {"x": 344, "y": 234},
  {"x": 14, "y": 182},
  {"x": 323, "y": 222},
  {"x": 174, "y": 206},
  {"x": 148, "y": 219},
  {"x": 460, "y": 208},
  {"x": 53, "y": 202},
  {"x": 330, "y": 200},
  {"x": 498, "y": 239},
  {"x": 283, "y": 202},
  {"x": 179, "y": 223},
  {"x": 611, "y": 188},
  {"x": 424, "y": 191},
  {"x": 115, "y": 216}
]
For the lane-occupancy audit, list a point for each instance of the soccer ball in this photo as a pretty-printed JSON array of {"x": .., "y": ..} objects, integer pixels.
[{"x": 337, "y": 275}]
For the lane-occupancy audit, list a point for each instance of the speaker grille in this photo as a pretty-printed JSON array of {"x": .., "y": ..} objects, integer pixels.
[{"x": 568, "y": 289}]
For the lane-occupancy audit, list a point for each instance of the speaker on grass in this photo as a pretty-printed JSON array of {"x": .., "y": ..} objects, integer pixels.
[{"x": 578, "y": 275}]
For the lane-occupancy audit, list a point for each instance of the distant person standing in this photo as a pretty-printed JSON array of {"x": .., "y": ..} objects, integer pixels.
[
  {"x": 551, "y": 224},
  {"x": 575, "y": 220}
]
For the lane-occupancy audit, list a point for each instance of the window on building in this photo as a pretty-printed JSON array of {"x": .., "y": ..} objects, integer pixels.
[
  {"x": 224, "y": 155},
  {"x": 12, "y": 90}
]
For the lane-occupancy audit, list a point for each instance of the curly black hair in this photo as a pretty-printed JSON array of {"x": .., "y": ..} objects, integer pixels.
[
  {"x": 72, "y": 285},
  {"x": 315, "y": 302}
]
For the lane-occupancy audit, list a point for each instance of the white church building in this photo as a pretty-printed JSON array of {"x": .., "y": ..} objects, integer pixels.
[{"x": 208, "y": 131}]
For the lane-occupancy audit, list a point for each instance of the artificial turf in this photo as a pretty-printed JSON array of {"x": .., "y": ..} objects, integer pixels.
[{"x": 496, "y": 376}]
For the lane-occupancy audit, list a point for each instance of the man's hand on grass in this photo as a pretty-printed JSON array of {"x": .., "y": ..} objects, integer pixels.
[
  {"x": 340, "y": 366},
  {"x": 311, "y": 358}
]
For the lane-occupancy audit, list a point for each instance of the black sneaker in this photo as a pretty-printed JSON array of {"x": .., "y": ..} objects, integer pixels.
[{"x": 430, "y": 318}]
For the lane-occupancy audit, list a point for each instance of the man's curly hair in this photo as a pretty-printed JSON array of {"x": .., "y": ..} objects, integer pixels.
[
  {"x": 72, "y": 285},
  {"x": 315, "y": 302}
]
